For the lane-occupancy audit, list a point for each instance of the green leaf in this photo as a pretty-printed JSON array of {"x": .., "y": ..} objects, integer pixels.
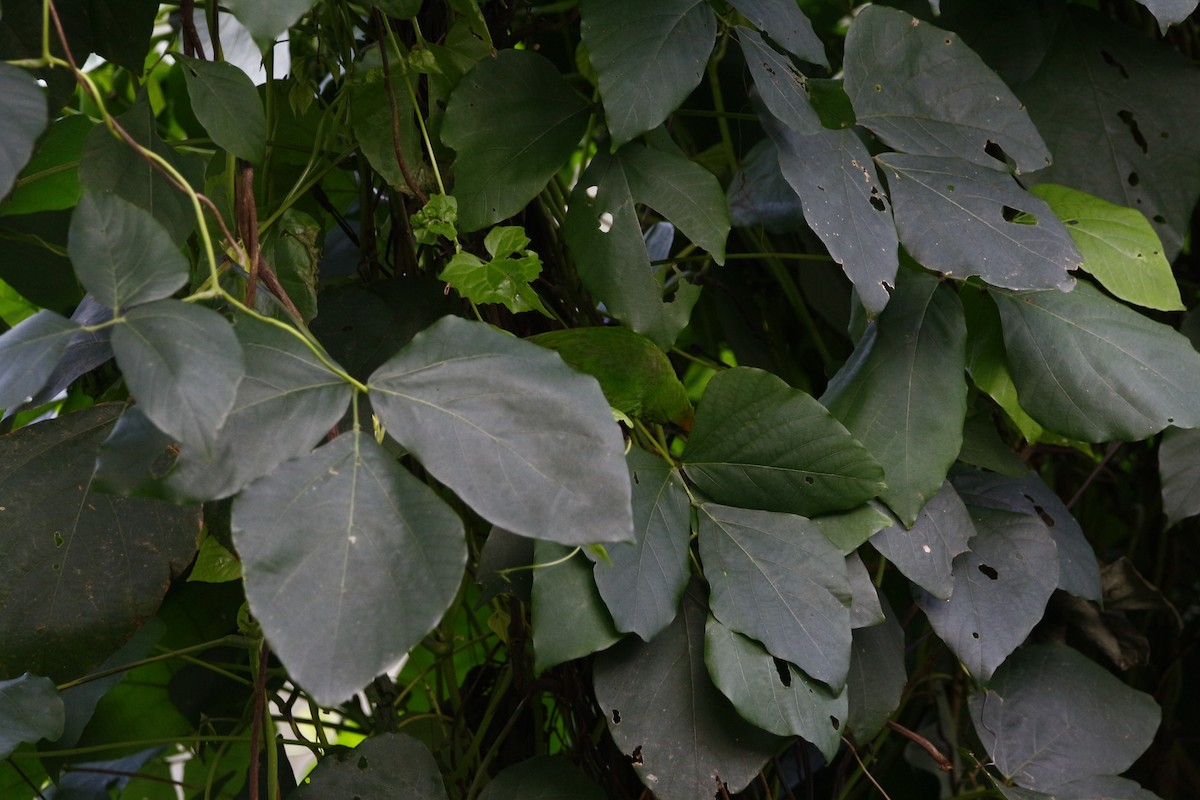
[
  {"x": 772, "y": 694},
  {"x": 290, "y": 248},
  {"x": 504, "y": 565},
  {"x": 22, "y": 120},
  {"x": 121, "y": 254},
  {"x": 50, "y": 181},
  {"x": 636, "y": 377},
  {"x": 782, "y": 87},
  {"x": 776, "y": 578},
  {"x": 865, "y": 609},
  {"x": 1119, "y": 247},
  {"x": 987, "y": 360},
  {"x": 664, "y": 713},
  {"x": 28, "y": 354},
  {"x": 909, "y": 366},
  {"x": 437, "y": 218},
  {"x": 226, "y": 103},
  {"x": 648, "y": 56},
  {"x": 81, "y": 596},
  {"x": 183, "y": 364},
  {"x": 1111, "y": 372},
  {"x": 473, "y": 403},
  {"x": 1179, "y": 466},
  {"x": 541, "y": 778},
  {"x": 1051, "y": 716},
  {"x": 121, "y": 31},
  {"x": 877, "y": 675},
  {"x": 922, "y": 91},
  {"x": 371, "y": 113},
  {"x": 400, "y": 9},
  {"x": 924, "y": 553},
  {"x": 1097, "y": 787},
  {"x": 514, "y": 121},
  {"x": 644, "y": 580},
  {"x": 759, "y": 443},
  {"x": 851, "y": 528},
  {"x": 833, "y": 174},
  {"x": 1117, "y": 112},
  {"x": 215, "y": 564},
  {"x": 135, "y": 458},
  {"x": 605, "y": 236},
  {"x": 961, "y": 219},
  {"x": 30, "y": 710},
  {"x": 266, "y": 21},
  {"x": 1000, "y": 589},
  {"x": 502, "y": 279},
  {"x": 345, "y": 549},
  {"x": 386, "y": 765},
  {"x": 682, "y": 191},
  {"x": 786, "y": 24},
  {"x": 569, "y": 618}
]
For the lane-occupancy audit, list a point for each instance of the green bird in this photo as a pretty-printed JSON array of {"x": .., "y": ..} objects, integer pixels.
[{"x": 635, "y": 376}]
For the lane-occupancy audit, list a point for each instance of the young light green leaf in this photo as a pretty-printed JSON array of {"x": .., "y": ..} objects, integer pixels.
[
  {"x": 682, "y": 191},
  {"x": 1000, "y": 589},
  {"x": 924, "y": 553},
  {"x": 962, "y": 219},
  {"x": 183, "y": 364},
  {"x": 349, "y": 561},
  {"x": 644, "y": 580},
  {"x": 1111, "y": 372},
  {"x": 29, "y": 353},
  {"x": 759, "y": 443},
  {"x": 664, "y": 713},
  {"x": 1179, "y": 466},
  {"x": 648, "y": 56},
  {"x": 541, "y": 778},
  {"x": 386, "y": 765},
  {"x": 771, "y": 693},
  {"x": 908, "y": 367},
  {"x": 877, "y": 675},
  {"x": 266, "y": 21},
  {"x": 473, "y": 403},
  {"x": 569, "y": 617},
  {"x": 503, "y": 279},
  {"x": 776, "y": 578},
  {"x": 923, "y": 91},
  {"x": 1051, "y": 716},
  {"x": 987, "y": 361},
  {"x": 1119, "y": 247},
  {"x": 437, "y": 218},
  {"x": 786, "y": 24},
  {"x": 121, "y": 254},
  {"x": 22, "y": 120},
  {"x": 226, "y": 103},
  {"x": 30, "y": 710},
  {"x": 514, "y": 121}
]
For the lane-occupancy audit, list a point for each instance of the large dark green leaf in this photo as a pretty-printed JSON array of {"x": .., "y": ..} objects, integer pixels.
[
  {"x": 266, "y": 21},
  {"x": 1090, "y": 368},
  {"x": 903, "y": 393},
  {"x": 29, "y": 353},
  {"x": 877, "y": 675},
  {"x": 786, "y": 24},
  {"x": 521, "y": 437},
  {"x": 844, "y": 204},
  {"x": 643, "y": 581},
  {"x": 759, "y": 443},
  {"x": 514, "y": 121},
  {"x": 604, "y": 234},
  {"x": 121, "y": 30},
  {"x": 679, "y": 732},
  {"x": 22, "y": 120},
  {"x": 776, "y": 578},
  {"x": 569, "y": 617},
  {"x": 1000, "y": 589},
  {"x": 183, "y": 364},
  {"x": 388, "y": 765},
  {"x": 1179, "y": 466},
  {"x": 649, "y": 57},
  {"x": 1051, "y": 716},
  {"x": 541, "y": 778},
  {"x": 923, "y": 91},
  {"x": 83, "y": 569},
  {"x": 782, "y": 87},
  {"x": 924, "y": 553},
  {"x": 348, "y": 560},
  {"x": 1116, "y": 110},
  {"x": 1096, "y": 787},
  {"x": 962, "y": 219},
  {"x": 682, "y": 191},
  {"x": 30, "y": 710},
  {"x": 50, "y": 180},
  {"x": 771, "y": 693},
  {"x": 226, "y": 103},
  {"x": 287, "y": 401},
  {"x": 121, "y": 254}
]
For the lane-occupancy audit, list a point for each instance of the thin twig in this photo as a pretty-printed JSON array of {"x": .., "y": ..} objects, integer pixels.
[
  {"x": 260, "y": 694},
  {"x": 943, "y": 763},
  {"x": 1112, "y": 451},
  {"x": 866, "y": 771}
]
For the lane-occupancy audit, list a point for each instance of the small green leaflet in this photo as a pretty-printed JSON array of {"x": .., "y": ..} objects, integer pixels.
[
  {"x": 1119, "y": 247},
  {"x": 505, "y": 278},
  {"x": 226, "y": 103},
  {"x": 437, "y": 218}
]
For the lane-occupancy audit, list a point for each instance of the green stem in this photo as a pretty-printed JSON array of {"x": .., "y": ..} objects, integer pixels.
[
  {"x": 792, "y": 292},
  {"x": 714, "y": 85},
  {"x": 233, "y": 640}
]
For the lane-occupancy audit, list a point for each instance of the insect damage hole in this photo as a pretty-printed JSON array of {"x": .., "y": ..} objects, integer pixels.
[
  {"x": 990, "y": 572},
  {"x": 1017, "y": 216},
  {"x": 785, "y": 674},
  {"x": 606, "y": 222},
  {"x": 1134, "y": 131},
  {"x": 636, "y": 756},
  {"x": 616, "y": 715}
]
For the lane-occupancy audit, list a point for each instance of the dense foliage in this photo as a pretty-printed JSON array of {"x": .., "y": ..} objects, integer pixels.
[{"x": 599, "y": 398}]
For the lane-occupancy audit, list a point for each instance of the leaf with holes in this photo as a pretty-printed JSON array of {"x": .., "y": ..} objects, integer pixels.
[
  {"x": 226, "y": 103},
  {"x": 1000, "y": 589},
  {"x": 776, "y": 578},
  {"x": 962, "y": 220},
  {"x": 923, "y": 91},
  {"x": 348, "y": 561},
  {"x": 782, "y": 87},
  {"x": 924, "y": 553},
  {"x": 786, "y": 24}
]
